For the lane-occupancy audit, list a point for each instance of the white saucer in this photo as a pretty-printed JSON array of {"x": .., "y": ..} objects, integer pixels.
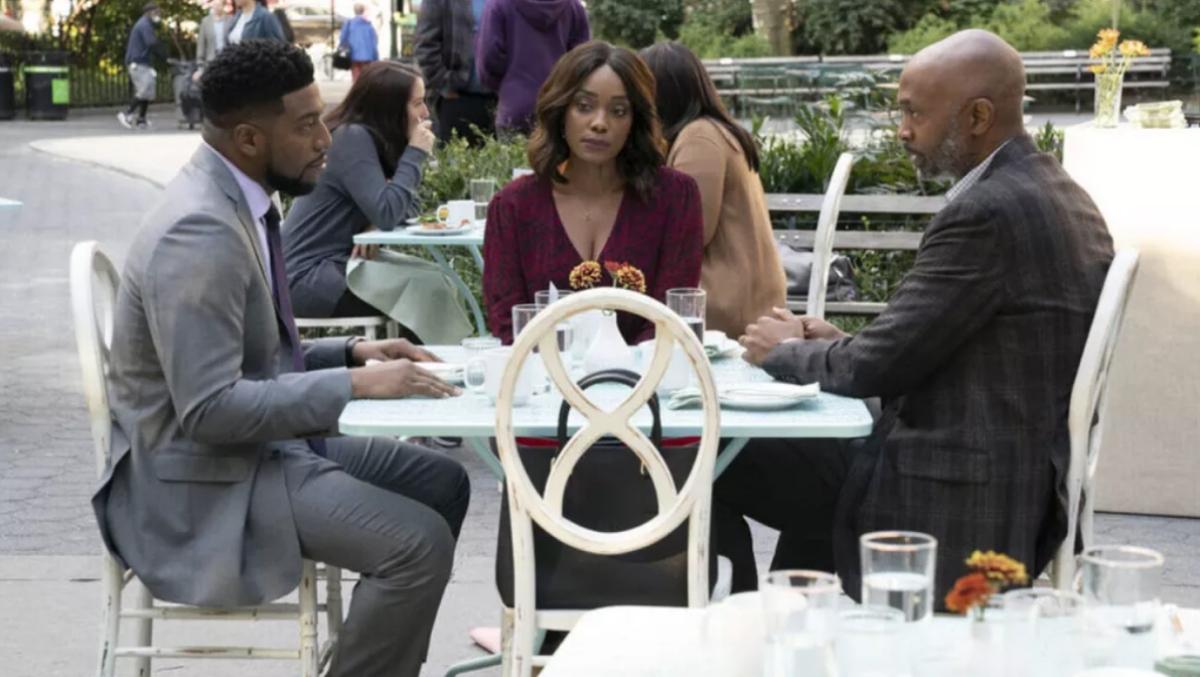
[{"x": 437, "y": 232}]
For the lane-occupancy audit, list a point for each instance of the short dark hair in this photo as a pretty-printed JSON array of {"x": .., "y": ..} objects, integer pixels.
[
  {"x": 686, "y": 93},
  {"x": 645, "y": 151},
  {"x": 378, "y": 101},
  {"x": 252, "y": 76}
]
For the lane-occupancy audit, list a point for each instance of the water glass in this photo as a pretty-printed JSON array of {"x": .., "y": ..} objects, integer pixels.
[
  {"x": 1043, "y": 632},
  {"x": 869, "y": 643},
  {"x": 1120, "y": 588},
  {"x": 482, "y": 191},
  {"x": 566, "y": 329},
  {"x": 801, "y": 619},
  {"x": 897, "y": 572},
  {"x": 690, "y": 305},
  {"x": 473, "y": 372}
]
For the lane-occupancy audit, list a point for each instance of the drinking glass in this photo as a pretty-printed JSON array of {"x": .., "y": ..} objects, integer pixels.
[
  {"x": 565, "y": 329},
  {"x": 522, "y": 315},
  {"x": 869, "y": 643},
  {"x": 482, "y": 191},
  {"x": 897, "y": 571},
  {"x": 473, "y": 372},
  {"x": 1043, "y": 632},
  {"x": 1120, "y": 587},
  {"x": 801, "y": 618},
  {"x": 689, "y": 304}
]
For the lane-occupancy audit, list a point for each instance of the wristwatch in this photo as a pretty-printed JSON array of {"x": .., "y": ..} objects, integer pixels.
[{"x": 350, "y": 343}]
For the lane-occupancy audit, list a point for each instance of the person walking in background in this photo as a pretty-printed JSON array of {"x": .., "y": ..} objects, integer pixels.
[
  {"x": 518, "y": 43},
  {"x": 253, "y": 21},
  {"x": 741, "y": 272},
  {"x": 445, "y": 51},
  {"x": 139, "y": 52},
  {"x": 210, "y": 39},
  {"x": 359, "y": 35},
  {"x": 285, "y": 25}
]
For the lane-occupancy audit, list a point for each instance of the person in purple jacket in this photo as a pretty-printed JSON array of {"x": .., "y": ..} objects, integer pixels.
[{"x": 518, "y": 43}]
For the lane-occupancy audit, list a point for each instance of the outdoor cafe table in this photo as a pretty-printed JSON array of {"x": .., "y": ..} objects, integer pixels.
[
  {"x": 471, "y": 239},
  {"x": 473, "y": 418},
  {"x": 642, "y": 641}
]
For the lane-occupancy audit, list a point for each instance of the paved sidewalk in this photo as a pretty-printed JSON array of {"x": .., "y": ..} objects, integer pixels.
[{"x": 48, "y": 539}]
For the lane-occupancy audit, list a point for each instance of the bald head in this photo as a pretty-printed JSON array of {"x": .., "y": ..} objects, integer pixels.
[{"x": 965, "y": 91}]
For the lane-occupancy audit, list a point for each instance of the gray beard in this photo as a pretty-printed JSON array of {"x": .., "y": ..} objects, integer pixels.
[{"x": 944, "y": 161}]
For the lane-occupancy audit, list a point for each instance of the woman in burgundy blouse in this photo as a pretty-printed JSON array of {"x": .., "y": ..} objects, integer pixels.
[{"x": 600, "y": 192}]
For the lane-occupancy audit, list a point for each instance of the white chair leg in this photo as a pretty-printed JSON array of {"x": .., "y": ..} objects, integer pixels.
[
  {"x": 393, "y": 329},
  {"x": 333, "y": 606},
  {"x": 309, "y": 648},
  {"x": 371, "y": 332},
  {"x": 143, "y": 629},
  {"x": 111, "y": 582},
  {"x": 507, "y": 618}
]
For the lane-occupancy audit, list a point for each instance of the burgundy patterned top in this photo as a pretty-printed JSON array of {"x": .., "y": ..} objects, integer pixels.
[{"x": 525, "y": 247}]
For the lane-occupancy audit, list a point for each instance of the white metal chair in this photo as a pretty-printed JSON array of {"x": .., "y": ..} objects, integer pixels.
[
  {"x": 94, "y": 283},
  {"x": 831, "y": 207},
  {"x": 1087, "y": 411},
  {"x": 527, "y": 505},
  {"x": 370, "y": 324}
]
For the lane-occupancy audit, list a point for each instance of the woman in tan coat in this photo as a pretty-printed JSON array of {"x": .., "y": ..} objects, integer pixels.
[{"x": 741, "y": 270}]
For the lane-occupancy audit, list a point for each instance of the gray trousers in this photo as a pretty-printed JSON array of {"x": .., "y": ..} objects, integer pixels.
[{"x": 391, "y": 512}]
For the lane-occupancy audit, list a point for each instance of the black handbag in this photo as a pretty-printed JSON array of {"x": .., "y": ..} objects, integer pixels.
[
  {"x": 608, "y": 491},
  {"x": 797, "y": 268},
  {"x": 341, "y": 58}
]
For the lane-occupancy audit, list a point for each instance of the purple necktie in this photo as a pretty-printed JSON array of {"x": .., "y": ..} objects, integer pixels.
[{"x": 283, "y": 302}]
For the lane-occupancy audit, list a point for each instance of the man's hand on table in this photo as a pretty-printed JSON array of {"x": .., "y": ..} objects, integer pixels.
[
  {"x": 390, "y": 349},
  {"x": 781, "y": 326},
  {"x": 394, "y": 371}
]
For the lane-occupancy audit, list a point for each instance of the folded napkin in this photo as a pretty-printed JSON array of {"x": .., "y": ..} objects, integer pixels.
[{"x": 748, "y": 394}]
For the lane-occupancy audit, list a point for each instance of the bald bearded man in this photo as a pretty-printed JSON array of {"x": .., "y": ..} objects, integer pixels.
[{"x": 973, "y": 359}]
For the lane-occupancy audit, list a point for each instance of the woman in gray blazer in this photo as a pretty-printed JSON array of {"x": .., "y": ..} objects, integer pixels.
[{"x": 381, "y": 139}]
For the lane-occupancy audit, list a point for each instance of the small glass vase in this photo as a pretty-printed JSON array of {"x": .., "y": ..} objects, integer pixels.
[
  {"x": 1108, "y": 100},
  {"x": 987, "y": 638},
  {"x": 608, "y": 349}
]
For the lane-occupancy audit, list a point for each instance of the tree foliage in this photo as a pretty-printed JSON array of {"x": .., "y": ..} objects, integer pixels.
[{"x": 635, "y": 23}]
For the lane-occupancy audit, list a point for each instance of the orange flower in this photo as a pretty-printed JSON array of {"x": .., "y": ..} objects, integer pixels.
[
  {"x": 1108, "y": 37},
  {"x": 585, "y": 275},
  {"x": 1098, "y": 69},
  {"x": 613, "y": 266},
  {"x": 628, "y": 277},
  {"x": 998, "y": 567},
  {"x": 1097, "y": 50},
  {"x": 1132, "y": 48},
  {"x": 969, "y": 591}
]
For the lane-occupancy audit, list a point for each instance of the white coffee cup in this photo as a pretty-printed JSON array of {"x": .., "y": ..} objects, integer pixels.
[
  {"x": 457, "y": 214},
  {"x": 678, "y": 373},
  {"x": 493, "y": 365}
]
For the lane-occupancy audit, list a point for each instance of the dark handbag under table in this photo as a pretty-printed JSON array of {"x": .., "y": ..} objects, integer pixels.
[{"x": 608, "y": 491}]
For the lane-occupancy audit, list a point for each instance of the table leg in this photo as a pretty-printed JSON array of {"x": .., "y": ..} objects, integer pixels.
[
  {"x": 483, "y": 450},
  {"x": 727, "y": 456},
  {"x": 476, "y": 311}
]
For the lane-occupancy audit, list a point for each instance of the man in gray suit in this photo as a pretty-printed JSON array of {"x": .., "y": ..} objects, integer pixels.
[
  {"x": 213, "y": 495},
  {"x": 210, "y": 38},
  {"x": 974, "y": 357}
]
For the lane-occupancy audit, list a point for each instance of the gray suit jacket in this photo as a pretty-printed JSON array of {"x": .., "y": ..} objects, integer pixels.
[
  {"x": 206, "y": 410},
  {"x": 206, "y": 37},
  {"x": 974, "y": 358}
]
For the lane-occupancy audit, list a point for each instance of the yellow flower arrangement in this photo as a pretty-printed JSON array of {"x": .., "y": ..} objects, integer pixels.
[
  {"x": 626, "y": 276},
  {"x": 990, "y": 572},
  {"x": 585, "y": 275},
  {"x": 1113, "y": 59}
]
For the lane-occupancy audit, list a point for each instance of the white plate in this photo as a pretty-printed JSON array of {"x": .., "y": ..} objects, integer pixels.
[
  {"x": 434, "y": 232},
  {"x": 766, "y": 396},
  {"x": 450, "y": 372}
]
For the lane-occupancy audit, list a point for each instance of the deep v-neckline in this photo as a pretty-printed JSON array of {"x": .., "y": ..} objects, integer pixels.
[{"x": 562, "y": 226}]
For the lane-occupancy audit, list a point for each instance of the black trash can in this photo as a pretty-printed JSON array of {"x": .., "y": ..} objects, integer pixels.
[
  {"x": 47, "y": 85},
  {"x": 8, "y": 94}
]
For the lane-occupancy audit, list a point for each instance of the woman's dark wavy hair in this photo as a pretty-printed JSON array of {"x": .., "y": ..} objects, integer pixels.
[
  {"x": 379, "y": 102},
  {"x": 686, "y": 93},
  {"x": 645, "y": 150}
]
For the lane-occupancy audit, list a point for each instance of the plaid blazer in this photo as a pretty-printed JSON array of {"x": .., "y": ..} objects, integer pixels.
[
  {"x": 445, "y": 44},
  {"x": 974, "y": 359}
]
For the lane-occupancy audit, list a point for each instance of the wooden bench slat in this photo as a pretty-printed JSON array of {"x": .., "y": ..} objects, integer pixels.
[
  {"x": 886, "y": 240},
  {"x": 797, "y": 304},
  {"x": 858, "y": 204}
]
